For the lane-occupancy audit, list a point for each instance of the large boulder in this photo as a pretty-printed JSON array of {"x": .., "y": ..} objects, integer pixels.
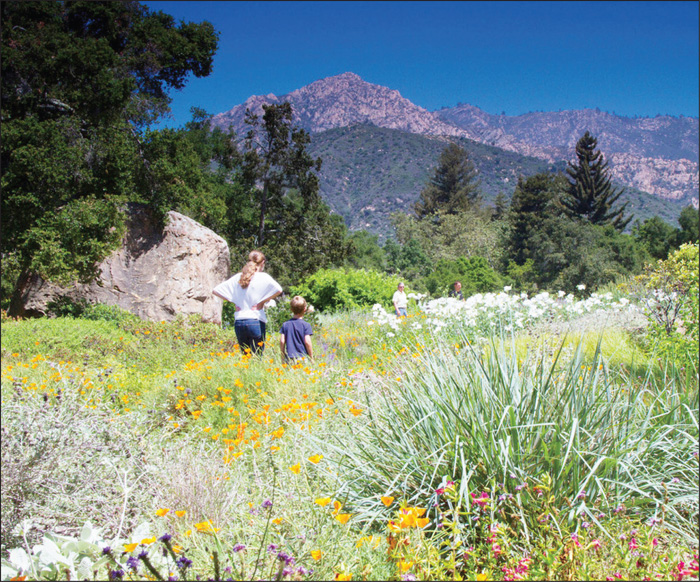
[{"x": 156, "y": 274}]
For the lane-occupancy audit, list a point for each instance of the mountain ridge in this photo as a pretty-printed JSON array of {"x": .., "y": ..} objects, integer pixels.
[{"x": 657, "y": 155}]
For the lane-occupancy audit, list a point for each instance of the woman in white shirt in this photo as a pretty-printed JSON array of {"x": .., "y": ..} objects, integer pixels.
[{"x": 250, "y": 290}]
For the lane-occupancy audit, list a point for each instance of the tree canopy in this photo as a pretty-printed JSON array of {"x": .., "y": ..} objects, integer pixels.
[
  {"x": 454, "y": 186},
  {"x": 590, "y": 194},
  {"x": 80, "y": 83}
]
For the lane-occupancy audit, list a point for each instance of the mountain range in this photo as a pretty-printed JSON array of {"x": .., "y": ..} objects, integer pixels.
[{"x": 379, "y": 148}]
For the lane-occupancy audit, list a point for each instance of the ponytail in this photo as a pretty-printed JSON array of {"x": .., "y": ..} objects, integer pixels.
[{"x": 255, "y": 261}]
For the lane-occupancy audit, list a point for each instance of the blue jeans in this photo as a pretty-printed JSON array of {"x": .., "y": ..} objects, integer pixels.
[
  {"x": 402, "y": 312},
  {"x": 250, "y": 334}
]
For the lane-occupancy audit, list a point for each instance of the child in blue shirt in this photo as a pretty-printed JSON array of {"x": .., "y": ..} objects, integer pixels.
[{"x": 295, "y": 333}]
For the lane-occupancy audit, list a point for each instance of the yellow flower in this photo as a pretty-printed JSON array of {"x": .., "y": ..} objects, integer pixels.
[
  {"x": 295, "y": 468},
  {"x": 404, "y": 566},
  {"x": 130, "y": 547},
  {"x": 277, "y": 521},
  {"x": 387, "y": 500},
  {"x": 323, "y": 501},
  {"x": 482, "y": 576},
  {"x": 343, "y": 517},
  {"x": 316, "y": 554},
  {"x": 180, "y": 513},
  {"x": 147, "y": 541},
  {"x": 342, "y": 576},
  {"x": 316, "y": 459},
  {"x": 162, "y": 512},
  {"x": 274, "y": 449},
  {"x": 206, "y": 527},
  {"x": 196, "y": 413},
  {"x": 422, "y": 522},
  {"x": 336, "y": 506},
  {"x": 177, "y": 549}
]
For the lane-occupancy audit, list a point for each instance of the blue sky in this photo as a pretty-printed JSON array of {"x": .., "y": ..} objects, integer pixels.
[{"x": 631, "y": 58}]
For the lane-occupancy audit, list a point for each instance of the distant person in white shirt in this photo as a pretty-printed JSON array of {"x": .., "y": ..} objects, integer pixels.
[
  {"x": 400, "y": 301},
  {"x": 250, "y": 290}
]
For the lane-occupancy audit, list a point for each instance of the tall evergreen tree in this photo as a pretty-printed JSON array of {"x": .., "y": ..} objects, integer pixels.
[
  {"x": 590, "y": 195},
  {"x": 294, "y": 224},
  {"x": 454, "y": 186}
]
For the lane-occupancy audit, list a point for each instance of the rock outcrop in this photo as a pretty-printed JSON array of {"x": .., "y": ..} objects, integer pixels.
[{"x": 156, "y": 274}]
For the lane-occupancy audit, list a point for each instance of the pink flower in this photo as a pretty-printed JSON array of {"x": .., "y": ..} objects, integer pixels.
[
  {"x": 496, "y": 549},
  {"x": 482, "y": 500},
  {"x": 655, "y": 542},
  {"x": 682, "y": 571},
  {"x": 633, "y": 544},
  {"x": 595, "y": 544}
]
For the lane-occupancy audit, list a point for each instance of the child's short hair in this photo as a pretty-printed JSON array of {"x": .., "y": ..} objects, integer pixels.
[{"x": 298, "y": 305}]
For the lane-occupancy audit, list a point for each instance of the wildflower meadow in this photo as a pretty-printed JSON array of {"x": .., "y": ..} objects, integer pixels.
[{"x": 503, "y": 437}]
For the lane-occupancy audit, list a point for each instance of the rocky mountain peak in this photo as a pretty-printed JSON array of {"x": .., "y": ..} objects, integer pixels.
[{"x": 346, "y": 100}]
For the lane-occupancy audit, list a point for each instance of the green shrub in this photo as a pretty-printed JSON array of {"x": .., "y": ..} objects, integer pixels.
[
  {"x": 475, "y": 274},
  {"x": 339, "y": 289}
]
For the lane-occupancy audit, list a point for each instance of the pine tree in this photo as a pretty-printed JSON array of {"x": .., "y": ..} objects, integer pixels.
[
  {"x": 591, "y": 195},
  {"x": 454, "y": 186}
]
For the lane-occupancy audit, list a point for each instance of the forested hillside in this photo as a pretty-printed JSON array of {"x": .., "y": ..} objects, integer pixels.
[{"x": 368, "y": 172}]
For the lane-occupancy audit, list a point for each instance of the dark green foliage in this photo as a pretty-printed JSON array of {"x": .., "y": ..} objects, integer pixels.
[
  {"x": 591, "y": 195},
  {"x": 547, "y": 249},
  {"x": 453, "y": 187},
  {"x": 656, "y": 235},
  {"x": 408, "y": 260},
  {"x": 475, "y": 274},
  {"x": 365, "y": 252},
  {"x": 79, "y": 81},
  {"x": 534, "y": 201},
  {"x": 659, "y": 237},
  {"x": 690, "y": 226}
]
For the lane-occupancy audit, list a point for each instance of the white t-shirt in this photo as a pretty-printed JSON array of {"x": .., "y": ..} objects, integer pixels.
[
  {"x": 399, "y": 299},
  {"x": 261, "y": 287}
]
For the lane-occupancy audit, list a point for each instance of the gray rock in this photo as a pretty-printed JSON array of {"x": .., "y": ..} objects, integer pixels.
[{"x": 156, "y": 275}]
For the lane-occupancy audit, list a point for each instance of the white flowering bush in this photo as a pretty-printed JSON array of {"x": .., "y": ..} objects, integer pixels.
[{"x": 484, "y": 314}]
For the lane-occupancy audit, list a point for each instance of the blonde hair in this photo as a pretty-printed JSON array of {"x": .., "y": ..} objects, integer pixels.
[
  {"x": 254, "y": 264},
  {"x": 298, "y": 305}
]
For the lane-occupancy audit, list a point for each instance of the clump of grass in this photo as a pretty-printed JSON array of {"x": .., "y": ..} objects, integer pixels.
[{"x": 482, "y": 416}]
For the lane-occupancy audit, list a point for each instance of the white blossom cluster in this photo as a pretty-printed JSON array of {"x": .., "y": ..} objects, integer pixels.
[{"x": 486, "y": 311}]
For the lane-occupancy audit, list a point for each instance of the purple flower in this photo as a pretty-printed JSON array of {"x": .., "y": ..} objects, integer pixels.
[
  {"x": 581, "y": 495},
  {"x": 266, "y": 504},
  {"x": 142, "y": 555},
  {"x": 302, "y": 571},
  {"x": 238, "y": 548},
  {"x": 409, "y": 576},
  {"x": 165, "y": 538},
  {"x": 286, "y": 558},
  {"x": 106, "y": 551},
  {"x": 585, "y": 525},
  {"x": 118, "y": 574},
  {"x": 183, "y": 562},
  {"x": 287, "y": 572},
  {"x": 272, "y": 548},
  {"x": 133, "y": 563}
]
